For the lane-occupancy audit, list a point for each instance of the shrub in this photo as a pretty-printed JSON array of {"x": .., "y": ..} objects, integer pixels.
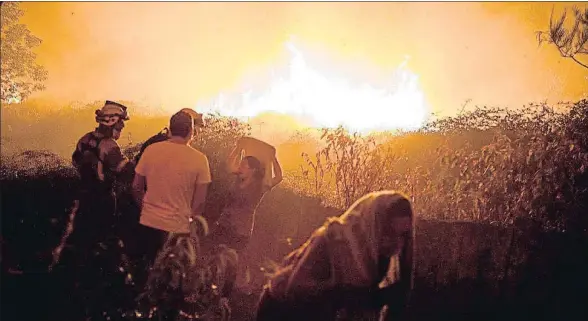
[{"x": 490, "y": 165}]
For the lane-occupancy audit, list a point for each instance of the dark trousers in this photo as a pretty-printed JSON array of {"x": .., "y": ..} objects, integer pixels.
[
  {"x": 147, "y": 242},
  {"x": 95, "y": 220},
  {"x": 90, "y": 258}
]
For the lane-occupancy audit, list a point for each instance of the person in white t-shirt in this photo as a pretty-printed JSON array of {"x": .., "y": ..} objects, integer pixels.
[{"x": 170, "y": 186}]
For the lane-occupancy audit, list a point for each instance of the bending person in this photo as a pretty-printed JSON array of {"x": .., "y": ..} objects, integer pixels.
[{"x": 354, "y": 265}]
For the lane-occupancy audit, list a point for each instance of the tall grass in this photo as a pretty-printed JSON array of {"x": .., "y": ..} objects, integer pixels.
[{"x": 489, "y": 165}]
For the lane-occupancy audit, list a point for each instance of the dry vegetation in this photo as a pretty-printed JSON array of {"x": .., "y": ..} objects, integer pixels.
[
  {"x": 489, "y": 165},
  {"x": 517, "y": 180}
]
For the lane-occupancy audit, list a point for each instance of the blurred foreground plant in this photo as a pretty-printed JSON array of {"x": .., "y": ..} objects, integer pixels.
[{"x": 187, "y": 280}]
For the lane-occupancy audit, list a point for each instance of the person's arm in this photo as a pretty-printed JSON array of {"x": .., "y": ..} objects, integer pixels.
[
  {"x": 201, "y": 189},
  {"x": 140, "y": 181},
  {"x": 234, "y": 159},
  {"x": 77, "y": 156},
  {"x": 390, "y": 300},
  {"x": 139, "y": 189},
  {"x": 370, "y": 298},
  {"x": 116, "y": 161},
  {"x": 277, "y": 173},
  {"x": 394, "y": 299},
  {"x": 199, "y": 199}
]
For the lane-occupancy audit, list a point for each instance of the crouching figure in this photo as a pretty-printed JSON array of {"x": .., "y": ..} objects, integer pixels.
[{"x": 357, "y": 266}]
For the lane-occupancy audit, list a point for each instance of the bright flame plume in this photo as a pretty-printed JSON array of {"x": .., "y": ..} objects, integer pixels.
[{"x": 334, "y": 101}]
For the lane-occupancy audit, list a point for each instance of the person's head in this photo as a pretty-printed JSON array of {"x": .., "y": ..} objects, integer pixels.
[
  {"x": 181, "y": 125},
  {"x": 394, "y": 221},
  {"x": 251, "y": 168},
  {"x": 111, "y": 119},
  {"x": 197, "y": 118},
  {"x": 386, "y": 220}
]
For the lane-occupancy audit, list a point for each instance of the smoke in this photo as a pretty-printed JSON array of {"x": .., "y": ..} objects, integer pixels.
[{"x": 179, "y": 54}]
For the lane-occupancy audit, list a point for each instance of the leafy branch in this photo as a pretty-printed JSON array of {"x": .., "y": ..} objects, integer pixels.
[{"x": 572, "y": 42}]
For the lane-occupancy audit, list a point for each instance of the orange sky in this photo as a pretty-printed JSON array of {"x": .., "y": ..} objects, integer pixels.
[{"x": 175, "y": 54}]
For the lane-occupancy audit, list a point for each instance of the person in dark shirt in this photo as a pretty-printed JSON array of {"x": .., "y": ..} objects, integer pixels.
[
  {"x": 165, "y": 134},
  {"x": 235, "y": 225},
  {"x": 238, "y": 215},
  {"x": 100, "y": 163}
]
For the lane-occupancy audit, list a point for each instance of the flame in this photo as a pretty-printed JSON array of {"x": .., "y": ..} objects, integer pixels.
[{"x": 333, "y": 101}]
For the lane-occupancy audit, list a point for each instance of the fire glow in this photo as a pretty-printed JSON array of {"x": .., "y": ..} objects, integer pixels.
[{"x": 330, "y": 102}]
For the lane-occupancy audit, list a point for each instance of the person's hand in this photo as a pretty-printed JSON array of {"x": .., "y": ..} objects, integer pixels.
[
  {"x": 198, "y": 227},
  {"x": 194, "y": 231}
]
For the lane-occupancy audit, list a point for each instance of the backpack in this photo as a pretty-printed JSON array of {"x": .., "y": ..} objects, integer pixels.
[
  {"x": 86, "y": 157},
  {"x": 163, "y": 135}
]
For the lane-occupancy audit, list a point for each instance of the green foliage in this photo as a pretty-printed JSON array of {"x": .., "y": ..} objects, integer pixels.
[{"x": 21, "y": 74}]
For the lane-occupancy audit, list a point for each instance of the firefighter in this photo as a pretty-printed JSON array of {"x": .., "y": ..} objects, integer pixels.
[
  {"x": 90, "y": 250},
  {"x": 100, "y": 162}
]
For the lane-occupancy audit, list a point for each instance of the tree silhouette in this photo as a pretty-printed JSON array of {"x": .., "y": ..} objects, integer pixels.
[
  {"x": 571, "y": 43},
  {"x": 21, "y": 75}
]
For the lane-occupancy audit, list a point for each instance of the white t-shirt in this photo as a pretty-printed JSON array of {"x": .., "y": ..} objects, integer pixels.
[{"x": 171, "y": 171}]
